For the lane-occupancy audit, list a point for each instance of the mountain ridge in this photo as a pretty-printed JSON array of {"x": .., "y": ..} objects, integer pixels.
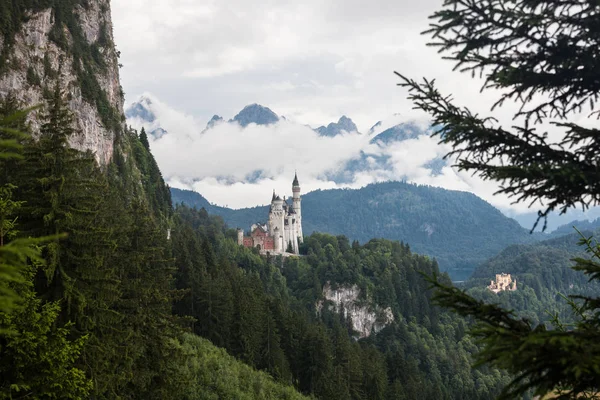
[{"x": 458, "y": 228}]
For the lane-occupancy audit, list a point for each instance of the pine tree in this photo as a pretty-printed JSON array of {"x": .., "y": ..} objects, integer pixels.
[
  {"x": 144, "y": 139},
  {"x": 13, "y": 255},
  {"x": 37, "y": 359},
  {"x": 544, "y": 56},
  {"x": 145, "y": 270}
]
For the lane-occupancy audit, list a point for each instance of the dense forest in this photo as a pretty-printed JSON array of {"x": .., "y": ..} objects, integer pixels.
[
  {"x": 263, "y": 311},
  {"x": 109, "y": 291},
  {"x": 123, "y": 286},
  {"x": 457, "y": 228},
  {"x": 544, "y": 277}
]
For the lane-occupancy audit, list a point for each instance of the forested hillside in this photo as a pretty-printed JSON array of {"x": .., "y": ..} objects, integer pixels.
[
  {"x": 91, "y": 313},
  {"x": 109, "y": 292},
  {"x": 457, "y": 228},
  {"x": 113, "y": 306},
  {"x": 264, "y": 311},
  {"x": 544, "y": 275}
]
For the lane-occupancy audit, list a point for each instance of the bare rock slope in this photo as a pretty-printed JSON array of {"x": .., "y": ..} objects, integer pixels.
[{"x": 77, "y": 50}]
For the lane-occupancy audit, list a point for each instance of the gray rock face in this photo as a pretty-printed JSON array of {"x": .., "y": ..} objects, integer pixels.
[
  {"x": 365, "y": 318},
  {"x": 257, "y": 114},
  {"x": 334, "y": 129},
  {"x": 32, "y": 45}
]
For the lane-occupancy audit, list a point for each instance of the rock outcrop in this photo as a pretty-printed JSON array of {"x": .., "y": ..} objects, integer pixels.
[
  {"x": 82, "y": 56},
  {"x": 365, "y": 318}
]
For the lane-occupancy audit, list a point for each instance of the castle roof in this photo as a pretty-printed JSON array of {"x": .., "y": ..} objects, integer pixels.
[
  {"x": 291, "y": 209},
  {"x": 273, "y": 199},
  {"x": 295, "y": 183}
]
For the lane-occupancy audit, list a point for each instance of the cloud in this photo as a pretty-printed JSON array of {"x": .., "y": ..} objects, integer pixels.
[
  {"x": 184, "y": 124},
  {"x": 239, "y": 167},
  {"x": 311, "y": 61}
]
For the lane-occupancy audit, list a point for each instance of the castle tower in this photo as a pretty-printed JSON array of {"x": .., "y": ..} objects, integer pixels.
[
  {"x": 277, "y": 240},
  {"x": 297, "y": 203},
  {"x": 276, "y": 217},
  {"x": 240, "y": 236}
]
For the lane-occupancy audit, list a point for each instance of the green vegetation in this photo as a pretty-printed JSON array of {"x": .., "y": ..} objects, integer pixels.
[
  {"x": 544, "y": 276},
  {"x": 211, "y": 373},
  {"x": 108, "y": 305},
  {"x": 543, "y": 56},
  {"x": 126, "y": 297},
  {"x": 89, "y": 313},
  {"x": 263, "y": 311},
  {"x": 457, "y": 228}
]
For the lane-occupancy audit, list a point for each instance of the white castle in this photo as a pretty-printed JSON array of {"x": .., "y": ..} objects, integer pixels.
[{"x": 283, "y": 233}]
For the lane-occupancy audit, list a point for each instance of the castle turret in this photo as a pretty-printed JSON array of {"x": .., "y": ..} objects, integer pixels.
[
  {"x": 240, "y": 236},
  {"x": 276, "y": 217},
  {"x": 277, "y": 240},
  {"x": 297, "y": 204}
]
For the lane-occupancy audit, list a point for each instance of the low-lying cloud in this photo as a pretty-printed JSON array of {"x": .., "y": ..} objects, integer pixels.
[{"x": 239, "y": 167}]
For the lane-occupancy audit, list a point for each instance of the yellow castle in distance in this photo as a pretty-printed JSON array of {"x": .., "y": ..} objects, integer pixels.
[{"x": 503, "y": 282}]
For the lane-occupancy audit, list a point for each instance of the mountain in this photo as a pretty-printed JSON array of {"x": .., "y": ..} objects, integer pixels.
[
  {"x": 557, "y": 221},
  {"x": 216, "y": 119},
  {"x": 255, "y": 114},
  {"x": 141, "y": 109},
  {"x": 457, "y": 228},
  {"x": 344, "y": 124},
  {"x": 581, "y": 225},
  {"x": 398, "y": 133},
  {"x": 345, "y": 321},
  {"x": 543, "y": 273},
  {"x": 142, "y": 113},
  {"x": 41, "y": 53}
]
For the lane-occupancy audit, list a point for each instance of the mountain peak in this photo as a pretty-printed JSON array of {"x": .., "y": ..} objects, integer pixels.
[
  {"x": 141, "y": 109},
  {"x": 216, "y": 119},
  {"x": 334, "y": 129},
  {"x": 255, "y": 114},
  {"x": 377, "y": 125},
  {"x": 400, "y": 132}
]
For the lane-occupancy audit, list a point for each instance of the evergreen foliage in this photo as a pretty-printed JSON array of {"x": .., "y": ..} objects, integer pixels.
[
  {"x": 38, "y": 358},
  {"x": 527, "y": 49},
  {"x": 543, "y": 275},
  {"x": 265, "y": 316},
  {"x": 457, "y": 228},
  {"x": 91, "y": 308},
  {"x": 211, "y": 373}
]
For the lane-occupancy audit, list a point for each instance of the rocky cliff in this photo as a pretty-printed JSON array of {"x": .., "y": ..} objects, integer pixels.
[
  {"x": 364, "y": 317},
  {"x": 71, "y": 42}
]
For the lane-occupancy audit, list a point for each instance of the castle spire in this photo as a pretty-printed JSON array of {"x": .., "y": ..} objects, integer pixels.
[
  {"x": 273, "y": 199},
  {"x": 295, "y": 183}
]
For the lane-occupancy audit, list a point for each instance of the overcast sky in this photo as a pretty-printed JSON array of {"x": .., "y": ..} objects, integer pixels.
[{"x": 311, "y": 61}]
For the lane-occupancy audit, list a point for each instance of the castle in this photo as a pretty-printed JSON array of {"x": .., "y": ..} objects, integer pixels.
[
  {"x": 503, "y": 282},
  {"x": 283, "y": 233}
]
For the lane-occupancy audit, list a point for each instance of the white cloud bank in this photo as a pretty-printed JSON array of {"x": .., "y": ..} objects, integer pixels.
[{"x": 239, "y": 167}]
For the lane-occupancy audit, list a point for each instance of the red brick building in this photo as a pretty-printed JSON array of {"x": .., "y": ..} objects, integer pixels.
[{"x": 260, "y": 239}]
